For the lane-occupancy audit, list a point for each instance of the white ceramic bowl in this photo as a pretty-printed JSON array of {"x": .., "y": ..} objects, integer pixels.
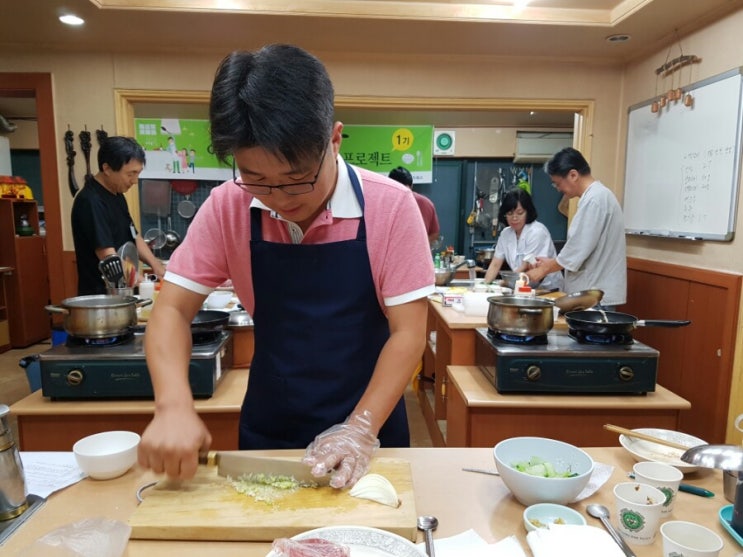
[
  {"x": 218, "y": 299},
  {"x": 106, "y": 455},
  {"x": 542, "y": 515},
  {"x": 529, "y": 489}
]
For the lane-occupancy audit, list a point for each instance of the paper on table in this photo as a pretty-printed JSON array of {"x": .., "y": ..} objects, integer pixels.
[
  {"x": 471, "y": 544},
  {"x": 601, "y": 473},
  {"x": 570, "y": 539},
  {"x": 47, "y": 472}
]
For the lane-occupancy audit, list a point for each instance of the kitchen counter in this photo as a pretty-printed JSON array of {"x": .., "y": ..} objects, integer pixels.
[
  {"x": 47, "y": 425},
  {"x": 454, "y": 345},
  {"x": 460, "y": 500},
  {"x": 479, "y": 416}
]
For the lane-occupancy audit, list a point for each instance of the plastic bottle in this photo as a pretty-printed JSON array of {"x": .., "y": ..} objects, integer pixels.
[
  {"x": 524, "y": 290},
  {"x": 147, "y": 289},
  {"x": 437, "y": 261}
]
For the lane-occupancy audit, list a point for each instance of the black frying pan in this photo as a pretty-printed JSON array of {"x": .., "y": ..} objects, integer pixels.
[
  {"x": 612, "y": 322},
  {"x": 209, "y": 320},
  {"x": 207, "y": 326}
]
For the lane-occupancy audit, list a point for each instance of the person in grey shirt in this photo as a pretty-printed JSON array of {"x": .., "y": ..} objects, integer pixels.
[{"x": 594, "y": 255}]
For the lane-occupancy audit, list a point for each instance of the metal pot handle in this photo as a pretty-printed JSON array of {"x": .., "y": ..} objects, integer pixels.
[
  {"x": 533, "y": 311},
  {"x": 57, "y": 309},
  {"x": 143, "y": 302}
]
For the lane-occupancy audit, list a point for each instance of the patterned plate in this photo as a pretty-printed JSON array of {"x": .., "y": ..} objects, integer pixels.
[
  {"x": 647, "y": 450},
  {"x": 363, "y": 541}
]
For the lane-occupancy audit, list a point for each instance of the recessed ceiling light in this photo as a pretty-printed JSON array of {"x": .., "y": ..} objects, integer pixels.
[
  {"x": 70, "y": 19},
  {"x": 618, "y": 38},
  {"x": 532, "y": 113}
]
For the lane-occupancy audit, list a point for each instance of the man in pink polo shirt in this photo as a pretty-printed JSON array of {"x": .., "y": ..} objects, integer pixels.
[{"x": 332, "y": 262}]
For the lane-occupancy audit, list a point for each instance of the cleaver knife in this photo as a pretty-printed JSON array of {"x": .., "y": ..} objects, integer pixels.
[{"x": 237, "y": 463}]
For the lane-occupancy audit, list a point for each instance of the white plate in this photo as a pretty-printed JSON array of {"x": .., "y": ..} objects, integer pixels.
[
  {"x": 647, "y": 450},
  {"x": 363, "y": 541}
]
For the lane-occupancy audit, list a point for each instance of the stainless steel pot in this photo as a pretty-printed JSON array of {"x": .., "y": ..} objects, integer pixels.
[
  {"x": 484, "y": 256},
  {"x": 98, "y": 316},
  {"x": 516, "y": 315}
]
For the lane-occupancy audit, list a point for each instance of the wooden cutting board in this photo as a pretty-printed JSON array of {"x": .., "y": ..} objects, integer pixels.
[{"x": 208, "y": 508}]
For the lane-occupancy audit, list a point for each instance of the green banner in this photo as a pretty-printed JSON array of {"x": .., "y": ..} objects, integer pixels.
[
  {"x": 382, "y": 148},
  {"x": 178, "y": 149}
]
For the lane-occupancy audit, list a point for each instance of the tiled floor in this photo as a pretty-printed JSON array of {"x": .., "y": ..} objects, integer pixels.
[{"x": 14, "y": 386}]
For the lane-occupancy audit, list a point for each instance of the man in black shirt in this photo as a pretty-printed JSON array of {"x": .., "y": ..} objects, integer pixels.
[{"x": 101, "y": 222}]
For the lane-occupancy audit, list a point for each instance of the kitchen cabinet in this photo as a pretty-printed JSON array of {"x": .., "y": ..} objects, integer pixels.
[
  {"x": 47, "y": 425},
  {"x": 452, "y": 343},
  {"x": 479, "y": 416},
  {"x": 27, "y": 287},
  {"x": 699, "y": 361},
  {"x": 4, "y": 328}
]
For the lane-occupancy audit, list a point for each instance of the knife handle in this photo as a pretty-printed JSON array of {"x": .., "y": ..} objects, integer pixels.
[
  {"x": 696, "y": 490},
  {"x": 209, "y": 458}
]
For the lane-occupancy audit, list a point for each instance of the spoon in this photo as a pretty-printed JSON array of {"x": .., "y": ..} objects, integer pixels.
[
  {"x": 428, "y": 524},
  {"x": 602, "y": 513}
]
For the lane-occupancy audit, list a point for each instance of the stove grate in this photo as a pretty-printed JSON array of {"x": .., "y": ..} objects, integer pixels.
[
  {"x": 585, "y": 337},
  {"x": 99, "y": 342},
  {"x": 528, "y": 340}
]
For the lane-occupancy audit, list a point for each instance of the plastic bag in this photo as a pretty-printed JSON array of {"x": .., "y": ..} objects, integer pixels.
[
  {"x": 90, "y": 537},
  {"x": 311, "y": 547}
]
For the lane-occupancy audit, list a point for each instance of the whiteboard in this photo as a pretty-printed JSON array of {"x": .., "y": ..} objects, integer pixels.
[{"x": 683, "y": 163}]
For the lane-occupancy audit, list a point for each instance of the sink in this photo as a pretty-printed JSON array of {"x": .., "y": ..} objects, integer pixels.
[
  {"x": 7, "y": 527},
  {"x": 462, "y": 282}
]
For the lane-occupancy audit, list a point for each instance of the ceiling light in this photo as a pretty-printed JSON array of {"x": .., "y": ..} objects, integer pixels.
[
  {"x": 70, "y": 19},
  {"x": 618, "y": 38},
  {"x": 520, "y": 4},
  {"x": 532, "y": 113}
]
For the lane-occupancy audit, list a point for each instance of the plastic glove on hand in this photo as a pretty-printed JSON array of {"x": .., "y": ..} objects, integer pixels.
[{"x": 345, "y": 448}]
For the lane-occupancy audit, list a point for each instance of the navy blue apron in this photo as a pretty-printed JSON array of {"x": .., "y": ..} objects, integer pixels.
[{"x": 318, "y": 333}]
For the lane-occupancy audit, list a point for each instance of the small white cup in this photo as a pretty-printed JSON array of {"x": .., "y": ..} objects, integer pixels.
[
  {"x": 638, "y": 511},
  {"x": 689, "y": 539},
  {"x": 663, "y": 476}
]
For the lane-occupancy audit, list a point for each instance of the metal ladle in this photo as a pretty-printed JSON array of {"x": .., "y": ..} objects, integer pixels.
[
  {"x": 722, "y": 457},
  {"x": 602, "y": 513},
  {"x": 428, "y": 524}
]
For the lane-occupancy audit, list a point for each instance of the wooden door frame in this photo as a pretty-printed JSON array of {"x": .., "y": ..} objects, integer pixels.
[
  {"x": 39, "y": 87},
  {"x": 126, "y": 99}
]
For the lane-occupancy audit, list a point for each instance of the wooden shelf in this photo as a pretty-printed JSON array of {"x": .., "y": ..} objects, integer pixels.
[{"x": 26, "y": 283}]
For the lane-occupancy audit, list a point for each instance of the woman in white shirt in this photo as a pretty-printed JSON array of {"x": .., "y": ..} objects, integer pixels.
[{"x": 523, "y": 236}]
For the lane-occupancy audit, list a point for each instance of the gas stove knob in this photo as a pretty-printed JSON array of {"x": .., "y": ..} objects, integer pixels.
[
  {"x": 75, "y": 377},
  {"x": 533, "y": 372},
  {"x": 626, "y": 373}
]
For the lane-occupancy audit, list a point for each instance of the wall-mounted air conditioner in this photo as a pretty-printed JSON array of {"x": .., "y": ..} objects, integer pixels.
[{"x": 540, "y": 146}]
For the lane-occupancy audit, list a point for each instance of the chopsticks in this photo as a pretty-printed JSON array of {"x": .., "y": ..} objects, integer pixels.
[{"x": 645, "y": 437}]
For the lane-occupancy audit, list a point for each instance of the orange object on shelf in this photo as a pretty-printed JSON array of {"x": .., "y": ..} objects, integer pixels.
[{"x": 15, "y": 187}]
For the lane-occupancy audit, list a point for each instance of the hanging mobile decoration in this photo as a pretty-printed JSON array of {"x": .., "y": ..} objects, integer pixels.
[{"x": 670, "y": 67}]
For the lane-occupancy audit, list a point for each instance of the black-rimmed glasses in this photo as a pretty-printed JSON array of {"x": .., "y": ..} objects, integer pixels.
[{"x": 296, "y": 188}]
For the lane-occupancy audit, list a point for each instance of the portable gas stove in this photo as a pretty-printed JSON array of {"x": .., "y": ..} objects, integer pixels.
[
  {"x": 116, "y": 367},
  {"x": 566, "y": 363}
]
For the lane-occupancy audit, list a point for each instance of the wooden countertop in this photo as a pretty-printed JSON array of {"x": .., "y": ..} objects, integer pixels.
[
  {"x": 227, "y": 397},
  {"x": 458, "y": 320},
  {"x": 478, "y": 391},
  {"x": 460, "y": 500}
]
